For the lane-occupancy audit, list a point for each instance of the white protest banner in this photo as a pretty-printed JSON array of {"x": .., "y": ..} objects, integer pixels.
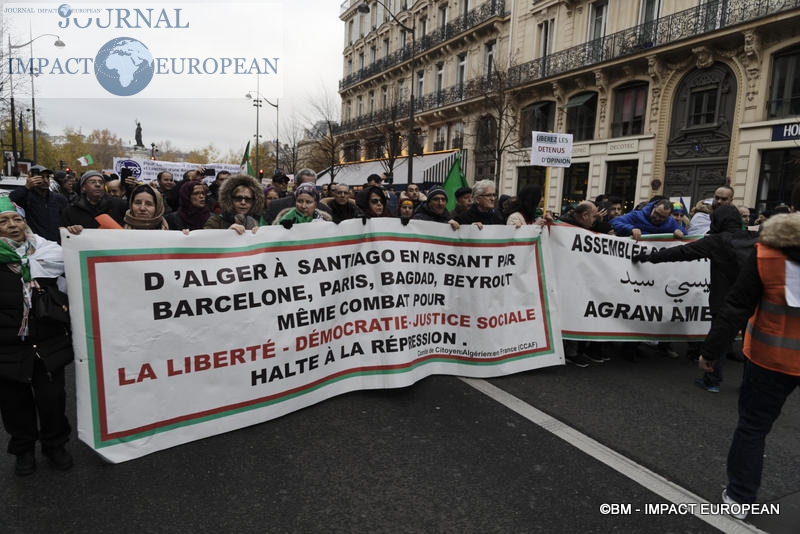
[
  {"x": 603, "y": 296},
  {"x": 146, "y": 170},
  {"x": 180, "y": 337},
  {"x": 551, "y": 149}
]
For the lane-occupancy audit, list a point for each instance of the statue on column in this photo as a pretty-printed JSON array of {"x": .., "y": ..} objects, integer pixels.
[{"x": 138, "y": 135}]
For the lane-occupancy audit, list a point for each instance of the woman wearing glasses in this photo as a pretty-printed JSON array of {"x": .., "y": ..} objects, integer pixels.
[
  {"x": 193, "y": 210},
  {"x": 372, "y": 202},
  {"x": 241, "y": 199}
]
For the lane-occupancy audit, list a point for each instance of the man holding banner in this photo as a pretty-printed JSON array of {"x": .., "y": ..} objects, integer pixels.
[{"x": 654, "y": 218}]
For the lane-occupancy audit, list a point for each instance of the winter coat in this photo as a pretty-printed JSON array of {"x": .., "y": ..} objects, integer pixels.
[
  {"x": 716, "y": 246},
  {"x": 424, "y": 213},
  {"x": 227, "y": 215},
  {"x": 625, "y": 224},
  {"x": 473, "y": 215},
  {"x": 83, "y": 213},
  {"x": 42, "y": 213},
  {"x": 781, "y": 234},
  {"x": 50, "y": 341}
]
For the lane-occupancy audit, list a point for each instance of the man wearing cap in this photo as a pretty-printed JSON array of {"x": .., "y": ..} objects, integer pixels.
[
  {"x": 93, "y": 202},
  {"x": 281, "y": 182},
  {"x": 463, "y": 200},
  {"x": 42, "y": 206},
  {"x": 435, "y": 208}
]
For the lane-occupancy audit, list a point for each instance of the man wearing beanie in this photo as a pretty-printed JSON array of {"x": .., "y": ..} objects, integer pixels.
[
  {"x": 435, "y": 208},
  {"x": 93, "y": 201}
]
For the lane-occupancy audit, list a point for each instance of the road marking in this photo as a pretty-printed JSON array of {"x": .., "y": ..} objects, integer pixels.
[{"x": 623, "y": 465}]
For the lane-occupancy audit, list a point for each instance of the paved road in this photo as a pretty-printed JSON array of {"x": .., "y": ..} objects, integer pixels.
[{"x": 440, "y": 456}]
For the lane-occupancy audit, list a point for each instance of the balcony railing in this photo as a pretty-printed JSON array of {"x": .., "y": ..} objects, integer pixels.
[
  {"x": 707, "y": 18},
  {"x": 399, "y": 113},
  {"x": 699, "y": 20},
  {"x": 455, "y": 27}
]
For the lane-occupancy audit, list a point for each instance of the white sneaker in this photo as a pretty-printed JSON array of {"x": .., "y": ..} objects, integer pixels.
[{"x": 727, "y": 500}]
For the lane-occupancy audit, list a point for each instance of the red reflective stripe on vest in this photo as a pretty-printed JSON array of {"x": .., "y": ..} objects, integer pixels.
[{"x": 772, "y": 339}]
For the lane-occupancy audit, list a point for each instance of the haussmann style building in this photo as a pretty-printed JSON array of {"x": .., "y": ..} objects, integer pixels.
[{"x": 672, "y": 97}]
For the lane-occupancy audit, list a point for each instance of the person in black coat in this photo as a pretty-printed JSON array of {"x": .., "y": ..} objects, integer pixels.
[
  {"x": 42, "y": 206},
  {"x": 717, "y": 246},
  {"x": 435, "y": 208},
  {"x": 33, "y": 351},
  {"x": 482, "y": 210},
  {"x": 93, "y": 202}
]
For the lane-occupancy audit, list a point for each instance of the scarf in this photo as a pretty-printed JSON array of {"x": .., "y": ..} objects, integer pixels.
[
  {"x": 33, "y": 258},
  {"x": 194, "y": 217},
  {"x": 156, "y": 222},
  {"x": 297, "y": 217}
]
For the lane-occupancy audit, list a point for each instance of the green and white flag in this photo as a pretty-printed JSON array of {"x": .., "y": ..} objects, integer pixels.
[
  {"x": 246, "y": 167},
  {"x": 86, "y": 160}
]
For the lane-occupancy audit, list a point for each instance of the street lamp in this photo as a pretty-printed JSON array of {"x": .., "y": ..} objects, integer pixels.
[
  {"x": 257, "y": 105},
  {"x": 257, "y": 102},
  {"x": 363, "y": 7},
  {"x": 58, "y": 43}
]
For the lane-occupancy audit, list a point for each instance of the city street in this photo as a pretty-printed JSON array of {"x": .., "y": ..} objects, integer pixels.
[{"x": 541, "y": 451}]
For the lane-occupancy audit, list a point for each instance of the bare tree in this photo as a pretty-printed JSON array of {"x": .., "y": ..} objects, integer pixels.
[
  {"x": 496, "y": 131},
  {"x": 389, "y": 133},
  {"x": 290, "y": 146},
  {"x": 326, "y": 146}
]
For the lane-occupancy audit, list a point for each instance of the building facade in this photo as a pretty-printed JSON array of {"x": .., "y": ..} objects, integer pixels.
[{"x": 672, "y": 97}]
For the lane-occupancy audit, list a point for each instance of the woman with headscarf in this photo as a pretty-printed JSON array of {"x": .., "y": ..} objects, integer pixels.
[
  {"x": 241, "y": 200},
  {"x": 305, "y": 209},
  {"x": 33, "y": 350},
  {"x": 193, "y": 210},
  {"x": 146, "y": 211}
]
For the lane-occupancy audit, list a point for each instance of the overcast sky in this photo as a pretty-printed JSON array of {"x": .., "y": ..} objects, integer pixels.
[{"x": 312, "y": 62}]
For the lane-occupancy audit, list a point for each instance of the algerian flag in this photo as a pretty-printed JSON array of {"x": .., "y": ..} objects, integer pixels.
[
  {"x": 86, "y": 160},
  {"x": 245, "y": 165},
  {"x": 455, "y": 180}
]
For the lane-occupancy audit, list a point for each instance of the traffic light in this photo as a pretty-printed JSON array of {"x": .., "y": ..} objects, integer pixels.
[
  {"x": 67, "y": 170},
  {"x": 260, "y": 174},
  {"x": 62, "y": 164}
]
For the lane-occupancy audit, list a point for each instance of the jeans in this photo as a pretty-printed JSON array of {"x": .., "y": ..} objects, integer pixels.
[{"x": 761, "y": 397}]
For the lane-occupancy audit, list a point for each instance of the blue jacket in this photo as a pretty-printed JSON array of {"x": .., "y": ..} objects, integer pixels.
[{"x": 624, "y": 224}]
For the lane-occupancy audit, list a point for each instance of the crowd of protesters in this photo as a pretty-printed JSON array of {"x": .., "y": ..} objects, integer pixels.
[{"x": 35, "y": 349}]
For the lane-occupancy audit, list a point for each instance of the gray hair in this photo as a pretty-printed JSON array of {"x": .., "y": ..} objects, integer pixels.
[
  {"x": 302, "y": 173},
  {"x": 481, "y": 187}
]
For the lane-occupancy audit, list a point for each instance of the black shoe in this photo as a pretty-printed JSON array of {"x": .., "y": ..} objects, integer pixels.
[
  {"x": 60, "y": 459},
  {"x": 25, "y": 465}
]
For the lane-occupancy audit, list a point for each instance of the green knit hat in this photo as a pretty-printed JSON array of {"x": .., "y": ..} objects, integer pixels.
[{"x": 7, "y": 205}]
